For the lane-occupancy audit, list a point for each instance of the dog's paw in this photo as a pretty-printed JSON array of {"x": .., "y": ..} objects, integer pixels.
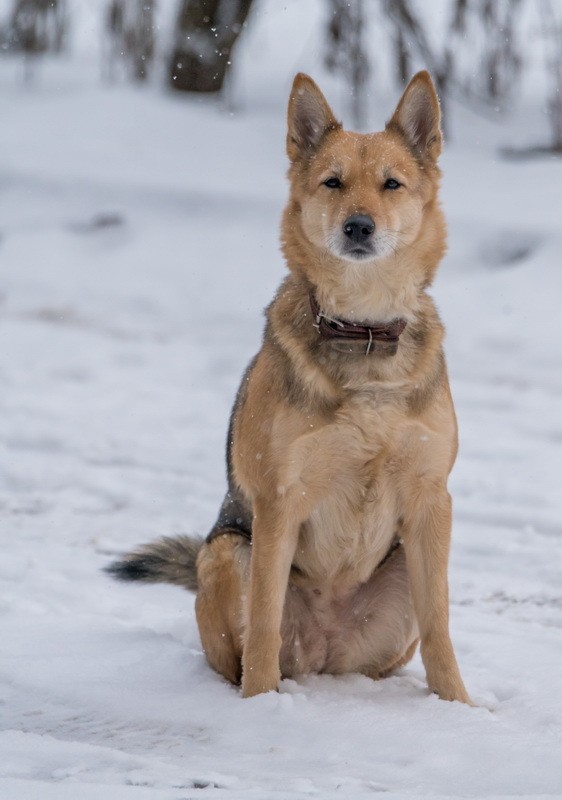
[
  {"x": 461, "y": 697},
  {"x": 256, "y": 682},
  {"x": 453, "y": 693}
]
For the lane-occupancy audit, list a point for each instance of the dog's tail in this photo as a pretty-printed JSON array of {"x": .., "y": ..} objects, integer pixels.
[{"x": 170, "y": 560}]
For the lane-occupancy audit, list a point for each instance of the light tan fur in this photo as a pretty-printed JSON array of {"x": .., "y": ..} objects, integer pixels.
[{"x": 334, "y": 454}]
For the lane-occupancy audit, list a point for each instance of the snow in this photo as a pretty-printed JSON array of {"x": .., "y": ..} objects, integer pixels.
[{"x": 138, "y": 246}]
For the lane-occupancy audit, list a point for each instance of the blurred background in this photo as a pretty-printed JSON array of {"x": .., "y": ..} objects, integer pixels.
[
  {"x": 142, "y": 180},
  {"x": 484, "y": 54}
]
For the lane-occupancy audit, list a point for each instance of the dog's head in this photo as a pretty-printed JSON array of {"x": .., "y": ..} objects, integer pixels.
[{"x": 363, "y": 208}]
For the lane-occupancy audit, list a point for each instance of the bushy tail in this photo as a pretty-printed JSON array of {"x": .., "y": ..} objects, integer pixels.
[{"x": 166, "y": 561}]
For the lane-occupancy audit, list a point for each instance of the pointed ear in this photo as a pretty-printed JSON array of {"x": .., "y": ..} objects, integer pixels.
[
  {"x": 418, "y": 116},
  {"x": 309, "y": 118}
]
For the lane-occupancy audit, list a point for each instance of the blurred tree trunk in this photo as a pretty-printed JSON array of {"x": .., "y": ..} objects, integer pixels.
[
  {"x": 129, "y": 38},
  {"x": 347, "y": 52},
  {"x": 206, "y": 32},
  {"x": 492, "y": 23},
  {"x": 36, "y": 27},
  {"x": 402, "y": 56},
  {"x": 142, "y": 39},
  {"x": 551, "y": 19},
  {"x": 412, "y": 37},
  {"x": 501, "y": 59}
]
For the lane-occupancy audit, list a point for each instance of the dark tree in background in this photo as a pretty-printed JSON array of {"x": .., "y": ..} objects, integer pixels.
[
  {"x": 348, "y": 54},
  {"x": 478, "y": 56},
  {"x": 129, "y": 37},
  {"x": 551, "y": 24},
  {"x": 205, "y": 35},
  {"x": 489, "y": 50},
  {"x": 502, "y": 60},
  {"x": 346, "y": 50},
  {"x": 414, "y": 45},
  {"x": 35, "y": 27},
  {"x": 485, "y": 78}
]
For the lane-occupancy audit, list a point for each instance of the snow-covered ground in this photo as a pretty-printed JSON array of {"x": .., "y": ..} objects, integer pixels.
[{"x": 138, "y": 245}]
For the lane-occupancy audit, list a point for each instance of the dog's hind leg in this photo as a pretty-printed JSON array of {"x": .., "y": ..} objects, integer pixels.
[
  {"x": 402, "y": 661},
  {"x": 222, "y": 570},
  {"x": 377, "y": 674}
]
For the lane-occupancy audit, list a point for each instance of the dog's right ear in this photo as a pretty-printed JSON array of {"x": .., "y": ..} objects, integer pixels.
[{"x": 309, "y": 118}]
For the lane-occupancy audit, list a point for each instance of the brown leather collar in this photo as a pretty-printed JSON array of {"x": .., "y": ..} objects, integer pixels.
[{"x": 338, "y": 329}]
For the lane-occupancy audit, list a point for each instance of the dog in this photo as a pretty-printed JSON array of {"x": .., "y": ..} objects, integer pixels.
[{"x": 330, "y": 551}]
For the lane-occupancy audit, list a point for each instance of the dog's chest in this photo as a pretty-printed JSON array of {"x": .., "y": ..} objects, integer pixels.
[
  {"x": 341, "y": 538},
  {"x": 351, "y": 528}
]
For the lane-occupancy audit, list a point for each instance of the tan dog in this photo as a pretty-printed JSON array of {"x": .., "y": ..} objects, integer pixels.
[{"x": 330, "y": 551}]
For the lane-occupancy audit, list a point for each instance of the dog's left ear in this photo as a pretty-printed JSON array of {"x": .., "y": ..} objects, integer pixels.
[
  {"x": 418, "y": 116},
  {"x": 309, "y": 118}
]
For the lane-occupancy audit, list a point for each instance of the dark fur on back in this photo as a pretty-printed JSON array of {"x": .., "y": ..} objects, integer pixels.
[{"x": 169, "y": 560}]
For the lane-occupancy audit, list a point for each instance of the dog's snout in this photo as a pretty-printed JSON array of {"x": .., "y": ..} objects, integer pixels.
[{"x": 358, "y": 227}]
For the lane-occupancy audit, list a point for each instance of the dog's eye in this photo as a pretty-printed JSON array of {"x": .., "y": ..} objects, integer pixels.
[
  {"x": 391, "y": 183},
  {"x": 333, "y": 183}
]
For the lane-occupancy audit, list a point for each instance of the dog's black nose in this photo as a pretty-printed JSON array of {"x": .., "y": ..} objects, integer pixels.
[{"x": 358, "y": 227}]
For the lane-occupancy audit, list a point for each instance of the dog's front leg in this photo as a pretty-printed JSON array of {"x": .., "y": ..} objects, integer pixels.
[
  {"x": 314, "y": 464},
  {"x": 427, "y": 534},
  {"x": 274, "y": 539}
]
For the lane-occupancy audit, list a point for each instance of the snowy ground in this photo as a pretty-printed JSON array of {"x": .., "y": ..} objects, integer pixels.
[{"x": 138, "y": 245}]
